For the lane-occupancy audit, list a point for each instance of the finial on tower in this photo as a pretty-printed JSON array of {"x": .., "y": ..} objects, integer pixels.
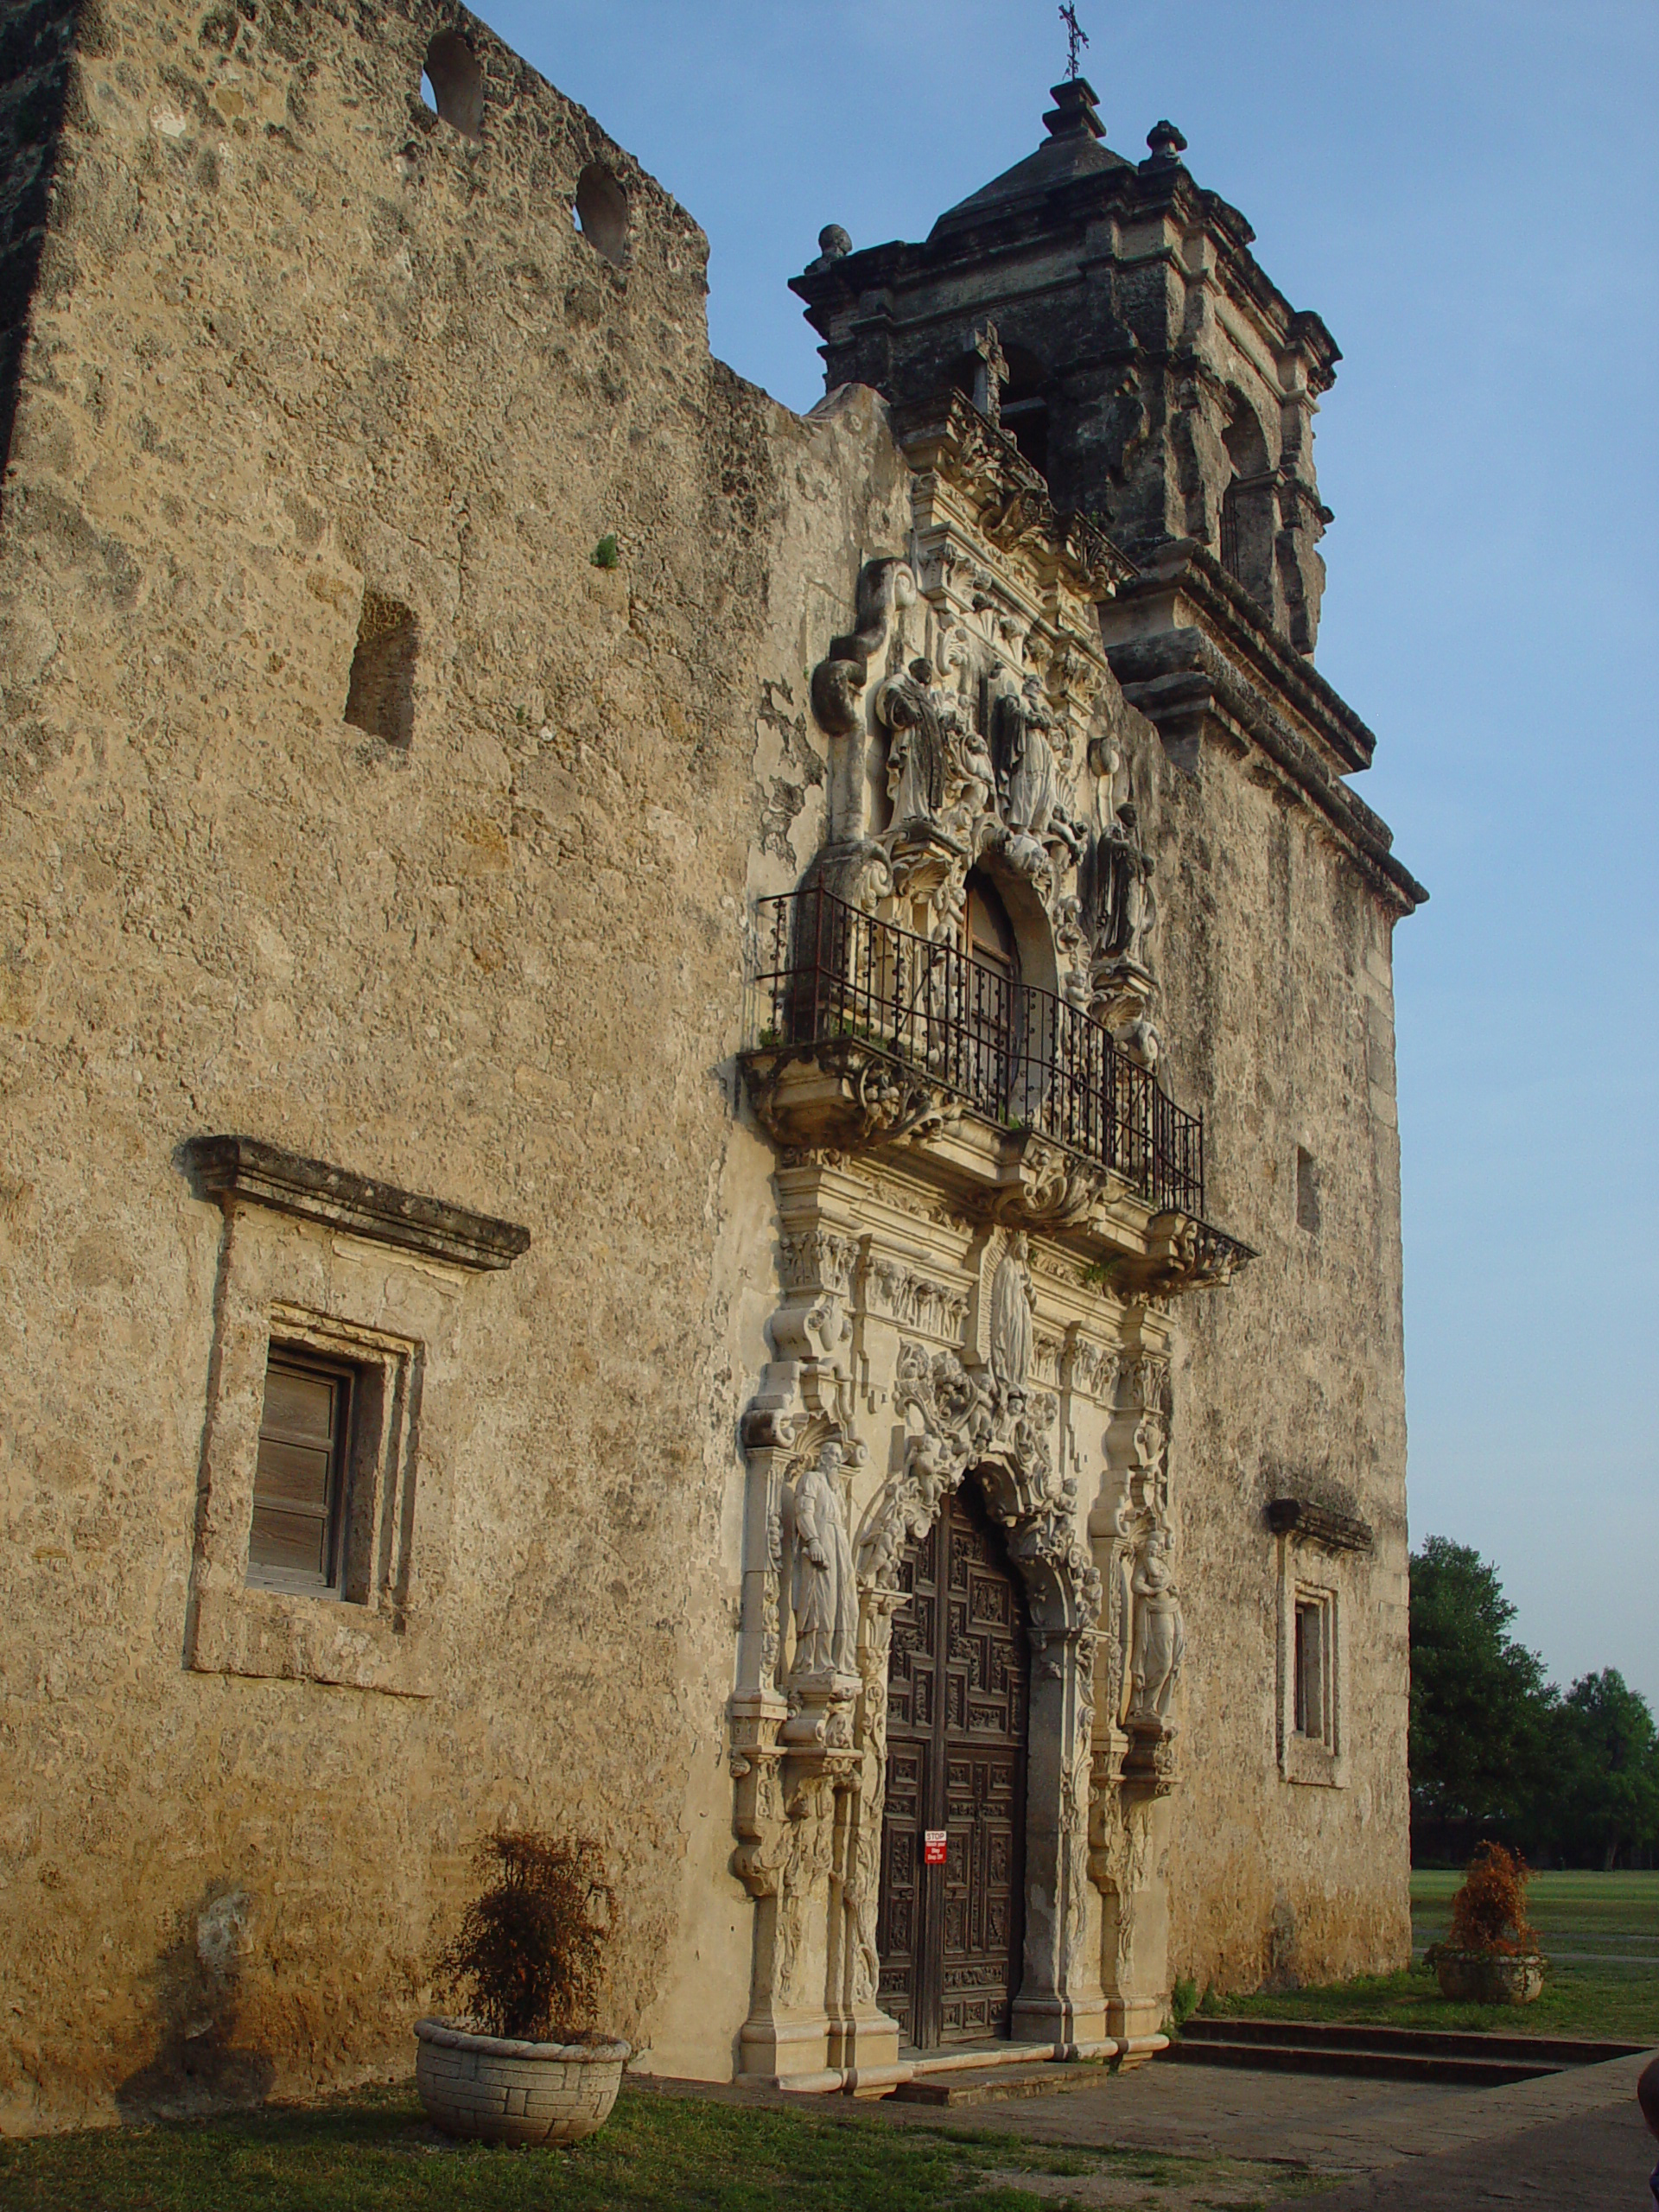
[
  {"x": 1073, "y": 111},
  {"x": 1165, "y": 142},
  {"x": 1075, "y": 38}
]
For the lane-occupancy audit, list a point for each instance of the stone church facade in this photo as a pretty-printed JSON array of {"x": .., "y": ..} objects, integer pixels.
[{"x": 700, "y": 1137}]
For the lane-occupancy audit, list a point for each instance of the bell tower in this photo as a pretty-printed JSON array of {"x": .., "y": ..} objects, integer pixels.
[{"x": 1111, "y": 316}]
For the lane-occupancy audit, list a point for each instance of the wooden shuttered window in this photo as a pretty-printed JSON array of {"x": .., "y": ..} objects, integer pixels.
[{"x": 299, "y": 1483}]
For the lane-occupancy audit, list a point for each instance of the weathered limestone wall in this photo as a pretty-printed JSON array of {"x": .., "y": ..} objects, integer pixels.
[
  {"x": 293, "y": 342},
  {"x": 1275, "y": 961},
  {"x": 303, "y": 340}
]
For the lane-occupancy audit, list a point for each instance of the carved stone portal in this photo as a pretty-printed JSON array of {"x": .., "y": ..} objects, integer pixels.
[
  {"x": 962, "y": 1295},
  {"x": 908, "y": 1362}
]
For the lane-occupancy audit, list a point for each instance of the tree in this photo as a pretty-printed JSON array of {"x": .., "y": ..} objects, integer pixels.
[
  {"x": 1602, "y": 1803},
  {"x": 1480, "y": 1707}
]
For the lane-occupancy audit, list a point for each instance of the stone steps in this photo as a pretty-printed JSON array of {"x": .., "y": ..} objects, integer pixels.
[
  {"x": 997, "y": 2085},
  {"x": 1386, "y": 2054}
]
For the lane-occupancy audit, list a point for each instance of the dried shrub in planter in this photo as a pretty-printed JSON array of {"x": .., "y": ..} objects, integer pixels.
[
  {"x": 1489, "y": 1913},
  {"x": 526, "y": 1962}
]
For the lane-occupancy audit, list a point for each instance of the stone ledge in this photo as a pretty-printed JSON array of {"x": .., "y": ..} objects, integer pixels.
[
  {"x": 1320, "y": 1524},
  {"x": 246, "y": 1170}
]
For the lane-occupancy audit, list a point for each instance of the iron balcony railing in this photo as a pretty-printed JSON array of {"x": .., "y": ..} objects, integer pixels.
[{"x": 824, "y": 971}]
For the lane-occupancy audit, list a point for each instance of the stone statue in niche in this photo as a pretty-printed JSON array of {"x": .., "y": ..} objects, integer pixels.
[
  {"x": 1124, "y": 908},
  {"x": 1158, "y": 1641},
  {"x": 1027, "y": 780},
  {"x": 824, "y": 1592},
  {"x": 1011, "y": 1319},
  {"x": 917, "y": 759}
]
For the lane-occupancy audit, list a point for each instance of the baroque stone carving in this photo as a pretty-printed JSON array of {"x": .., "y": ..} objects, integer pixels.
[
  {"x": 1158, "y": 1636},
  {"x": 1056, "y": 1189},
  {"x": 1182, "y": 1254},
  {"x": 823, "y": 1595},
  {"x": 866, "y": 1098},
  {"x": 1027, "y": 782},
  {"x": 838, "y": 680},
  {"x": 1012, "y": 1307}
]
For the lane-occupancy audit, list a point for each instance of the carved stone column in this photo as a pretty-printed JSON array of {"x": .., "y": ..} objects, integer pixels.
[
  {"x": 1060, "y": 1997},
  {"x": 1132, "y": 1769},
  {"x": 792, "y": 1735}
]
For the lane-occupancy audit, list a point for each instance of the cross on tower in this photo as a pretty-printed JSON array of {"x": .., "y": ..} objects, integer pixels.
[
  {"x": 990, "y": 374},
  {"x": 1076, "y": 37}
]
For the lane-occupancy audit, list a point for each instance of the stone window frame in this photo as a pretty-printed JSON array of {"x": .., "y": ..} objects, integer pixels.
[
  {"x": 301, "y": 1243},
  {"x": 1313, "y": 1540},
  {"x": 383, "y": 1422},
  {"x": 1320, "y": 1759}
]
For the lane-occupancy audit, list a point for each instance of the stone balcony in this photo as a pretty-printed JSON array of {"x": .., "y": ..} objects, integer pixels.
[{"x": 1015, "y": 1105}]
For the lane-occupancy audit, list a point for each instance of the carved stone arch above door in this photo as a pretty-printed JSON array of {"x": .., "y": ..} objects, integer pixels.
[{"x": 961, "y": 1420}]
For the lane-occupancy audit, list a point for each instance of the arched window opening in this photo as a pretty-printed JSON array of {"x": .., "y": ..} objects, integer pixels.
[
  {"x": 602, "y": 212},
  {"x": 990, "y": 990},
  {"x": 1025, "y": 405},
  {"x": 454, "y": 83},
  {"x": 991, "y": 940},
  {"x": 1024, "y": 399},
  {"x": 1246, "y": 546}
]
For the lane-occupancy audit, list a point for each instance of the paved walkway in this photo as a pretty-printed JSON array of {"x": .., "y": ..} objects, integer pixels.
[{"x": 1573, "y": 2142}]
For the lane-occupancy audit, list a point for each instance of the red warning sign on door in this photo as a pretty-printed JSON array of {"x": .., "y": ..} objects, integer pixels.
[{"x": 933, "y": 1846}]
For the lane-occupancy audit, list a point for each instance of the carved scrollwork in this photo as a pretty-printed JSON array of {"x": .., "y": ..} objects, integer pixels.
[
  {"x": 1056, "y": 1189},
  {"x": 838, "y": 678},
  {"x": 1181, "y": 1254},
  {"x": 966, "y": 1420},
  {"x": 861, "y": 1097}
]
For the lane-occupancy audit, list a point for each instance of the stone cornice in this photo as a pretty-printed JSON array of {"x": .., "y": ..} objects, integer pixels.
[
  {"x": 1319, "y": 1524},
  {"x": 1189, "y": 647},
  {"x": 1227, "y": 611},
  {"x": 239, "y": 1170}
]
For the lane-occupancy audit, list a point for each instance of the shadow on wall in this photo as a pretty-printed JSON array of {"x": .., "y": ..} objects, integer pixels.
[
  {"x": 199, "y": 2066},
  {"x": 1282, "y": 1945}
]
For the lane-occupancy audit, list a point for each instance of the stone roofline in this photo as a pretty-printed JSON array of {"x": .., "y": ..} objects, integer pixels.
[{"x": 1131, "y": 194}]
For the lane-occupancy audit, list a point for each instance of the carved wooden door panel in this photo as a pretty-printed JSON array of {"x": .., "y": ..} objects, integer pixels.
[{"x": 957, "y": 1684}]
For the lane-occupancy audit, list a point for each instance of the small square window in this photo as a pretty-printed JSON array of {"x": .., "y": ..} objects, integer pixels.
[{"x": 302, "y": 1474}]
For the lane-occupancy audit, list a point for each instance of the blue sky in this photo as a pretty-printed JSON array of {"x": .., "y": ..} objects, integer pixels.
[{"x": 1468, "y": 192}]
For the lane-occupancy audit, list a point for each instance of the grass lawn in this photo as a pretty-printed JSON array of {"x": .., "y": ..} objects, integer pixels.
[
  {"x": 1600, "y": 1932},
  {"x": 375, "y": 2151}
]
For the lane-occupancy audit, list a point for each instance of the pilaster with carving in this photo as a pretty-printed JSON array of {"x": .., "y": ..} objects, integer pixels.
[{"x": 1134, "y": 1767}]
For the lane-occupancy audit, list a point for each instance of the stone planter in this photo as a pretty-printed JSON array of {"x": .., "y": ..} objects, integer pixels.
[
  {"x": 1489, "y": 1977},
  {"x": 495, "y": 2089}
]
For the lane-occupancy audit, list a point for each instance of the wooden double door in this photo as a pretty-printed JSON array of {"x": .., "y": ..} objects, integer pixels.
[{"x": 958, "y": 1686}]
